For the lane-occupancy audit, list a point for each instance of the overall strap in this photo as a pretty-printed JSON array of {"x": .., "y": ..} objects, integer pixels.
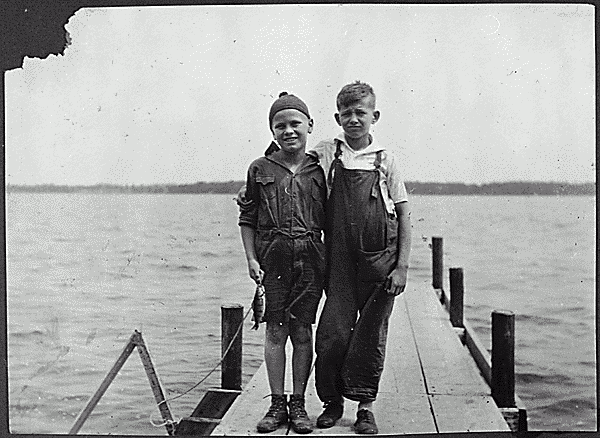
[
  {"x": 375, "y": 190},
  {"x": 336, "y": 159},
  {"x": 377, "y": 161}
]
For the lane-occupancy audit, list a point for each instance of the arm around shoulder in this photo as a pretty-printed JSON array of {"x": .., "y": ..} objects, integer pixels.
[
  {"x": 322, "y": 148},
  {"x": 247, "y": 200}
]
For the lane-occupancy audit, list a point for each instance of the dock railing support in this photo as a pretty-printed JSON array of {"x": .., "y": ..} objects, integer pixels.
[
  {"x": 154, "y": 382},
  {"x": 232, "y": 316},
  {"x": 457, "y": 291},
  {"x": 437, "y": 255},
  {"x": 135, "y": 340},
  {"x": 217, "y": 401},
  {"x": 503, "y": 358}
]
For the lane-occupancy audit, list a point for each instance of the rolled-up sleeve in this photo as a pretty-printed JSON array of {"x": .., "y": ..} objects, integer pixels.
[
  {"x": 249, "y": 208},
  {"x": 396, "y": 187}
]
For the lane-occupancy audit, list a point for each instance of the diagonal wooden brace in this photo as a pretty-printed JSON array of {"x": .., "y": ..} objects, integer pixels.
[
  {"x": 135, "y": 340},
  {"x": 154, "y": 382}
]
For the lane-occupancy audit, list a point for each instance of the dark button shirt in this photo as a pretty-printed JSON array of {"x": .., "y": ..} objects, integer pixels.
[{"x": 279, "y": 200}]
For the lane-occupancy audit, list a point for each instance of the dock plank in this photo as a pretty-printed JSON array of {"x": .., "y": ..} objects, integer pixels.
[
  {"x": 402, "y": 359},
  {"x": 395, "y": 412},
  {"x": 446, "y": 363},
  {"x": 249, "y": 407},
  {"x": 402, "y": 406},
  {"x": 467, "y": 414},
  {"x": 430, "y": 383}
]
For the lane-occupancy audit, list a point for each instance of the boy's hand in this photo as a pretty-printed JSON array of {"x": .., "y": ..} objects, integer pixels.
[
  {"x": 396, "y": 281},
  {"x": 255, "y": 272},
  {"x": 241, "y": 196}
]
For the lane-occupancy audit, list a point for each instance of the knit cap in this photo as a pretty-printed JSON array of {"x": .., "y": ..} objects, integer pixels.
[{"x": 287, "y": 101}]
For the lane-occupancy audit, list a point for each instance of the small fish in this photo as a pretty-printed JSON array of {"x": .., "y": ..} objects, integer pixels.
[{"x": 258, "y": 306}]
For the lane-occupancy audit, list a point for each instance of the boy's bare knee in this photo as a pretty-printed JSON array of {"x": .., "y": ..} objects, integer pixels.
[
  {"x": 277, "y": 333},
  {"x": 301, "y": 333}
]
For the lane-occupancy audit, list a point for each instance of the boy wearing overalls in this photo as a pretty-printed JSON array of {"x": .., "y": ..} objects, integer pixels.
[
  {"x": 281, "y": 222},
  {"x": 368, "y": 245}
]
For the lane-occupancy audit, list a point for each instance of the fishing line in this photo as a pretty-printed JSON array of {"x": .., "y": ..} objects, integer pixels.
[{"x": 207, "y": 375}]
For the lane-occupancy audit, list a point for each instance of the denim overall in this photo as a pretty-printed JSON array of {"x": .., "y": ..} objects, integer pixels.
[{"x": 361, "y": 243}]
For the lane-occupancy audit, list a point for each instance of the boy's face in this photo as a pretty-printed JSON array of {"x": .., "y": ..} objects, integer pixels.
[
  {"x": 356, "y": 119},
  {"x": 290, "y": 129}
]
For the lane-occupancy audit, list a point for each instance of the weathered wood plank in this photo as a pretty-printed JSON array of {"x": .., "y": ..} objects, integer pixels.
[
  {"x": 402, "y": 405},
  {"x": 402, "y": 413},
  {"x": 215, "y": 403},
  {"x": 446, "y": 364},
  {"x": 314, "y": 407},
  {"x": 402, "y": 359},
  {"x": 430, "y": 383},
  {"x": 196, "y": 426},
  {"x": 395, "y": 413},
  {"x": 484, "y": 362},
  {"x": 473, "y": 413},
  {"x": 249, "y": 407}
]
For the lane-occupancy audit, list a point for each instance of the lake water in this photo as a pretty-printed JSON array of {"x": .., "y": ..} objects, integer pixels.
[{"x": 85, "y": 270}]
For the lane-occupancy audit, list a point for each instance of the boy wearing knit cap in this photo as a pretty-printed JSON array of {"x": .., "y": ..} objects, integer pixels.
[{"x": 281, "y": 222}]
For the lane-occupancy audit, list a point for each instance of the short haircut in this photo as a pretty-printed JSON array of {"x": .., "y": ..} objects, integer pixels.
[{"x": 354, "y": 92}]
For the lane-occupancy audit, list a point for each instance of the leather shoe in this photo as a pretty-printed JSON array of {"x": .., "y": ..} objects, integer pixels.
[
  {"x": 365, "y": 422},
  {"x": 333, "y": 412}
]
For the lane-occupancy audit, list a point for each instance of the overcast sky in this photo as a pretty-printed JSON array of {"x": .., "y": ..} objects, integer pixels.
[{"x": 473, "y": 93}]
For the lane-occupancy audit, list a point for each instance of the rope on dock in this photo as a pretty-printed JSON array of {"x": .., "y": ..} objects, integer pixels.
[
  {"x": 208, "y": 374},
  {"x": 136, "y": 341}
]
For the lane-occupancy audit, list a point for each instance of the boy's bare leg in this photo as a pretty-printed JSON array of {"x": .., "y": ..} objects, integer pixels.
[
  {"x": 302, "y": 356},
  {"x": 275, "y": 340}
]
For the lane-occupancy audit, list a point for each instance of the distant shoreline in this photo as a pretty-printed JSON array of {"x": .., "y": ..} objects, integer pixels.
[{"x": 232, "y": 187}]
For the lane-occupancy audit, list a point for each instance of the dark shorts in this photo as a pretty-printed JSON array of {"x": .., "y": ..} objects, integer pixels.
[{"x": 294, "y": 272}]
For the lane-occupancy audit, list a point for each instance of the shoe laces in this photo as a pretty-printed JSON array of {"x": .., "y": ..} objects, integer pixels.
[
  {"x": 278, "y": 404},
  {"x": 297, "y": 407},
  {"x": 364, "y": 415}
]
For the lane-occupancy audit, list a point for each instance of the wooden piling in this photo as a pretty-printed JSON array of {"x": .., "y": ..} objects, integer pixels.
[
  {"x": 216, "y": 402},
  {"x": 457, "y": 291},
  {"x": 503, "y": 358},
  {"x": 232, "y": 316},
  {"x": 437, "y": 254}
]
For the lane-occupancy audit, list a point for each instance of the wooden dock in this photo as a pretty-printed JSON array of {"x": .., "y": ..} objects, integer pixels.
[
  {"x": 430, "y": 383},
  {"x": 438, "y": 378}
]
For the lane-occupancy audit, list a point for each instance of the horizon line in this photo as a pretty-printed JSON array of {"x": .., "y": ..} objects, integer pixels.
[{"x": 243, "y": 181}]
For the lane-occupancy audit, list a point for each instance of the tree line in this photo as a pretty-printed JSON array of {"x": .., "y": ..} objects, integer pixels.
[{"x": 232, "y": 187}]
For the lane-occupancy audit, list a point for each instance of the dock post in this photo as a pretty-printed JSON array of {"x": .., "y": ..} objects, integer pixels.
[
  {"x": 437, "y": 254},
  {"x": 457, "y": 292},
  {"x": 503, "y": 358},
  {"x": 232, "y": 317}
]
